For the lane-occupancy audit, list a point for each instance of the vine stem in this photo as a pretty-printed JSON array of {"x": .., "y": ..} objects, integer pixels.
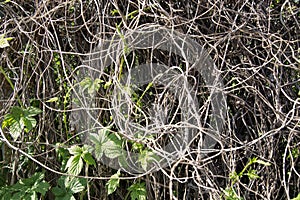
[{"x": 10, "y": 83}]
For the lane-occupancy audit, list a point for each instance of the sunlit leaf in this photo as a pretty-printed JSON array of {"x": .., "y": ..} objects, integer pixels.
[
  {"x": 113, "y": 183},
  {"x": 4, "y": 41},
  {"x": 112, "y": 149},
  {"x": 15, "y": 130},
  {"x": 74, "y": 165},
  {"x": 98, "y": 140},
  {"x": 105, "y": 143},
  {"x": 20, "y": 119},
  {"x": 107, "y": 84},
  {"x": 54, "y": 99},
  {"x": 75, "y": 150},
  {"x": 77, "y": 185}
]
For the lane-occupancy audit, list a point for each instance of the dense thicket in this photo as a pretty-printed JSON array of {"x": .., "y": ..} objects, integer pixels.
[{"x": 254, "y": 44}]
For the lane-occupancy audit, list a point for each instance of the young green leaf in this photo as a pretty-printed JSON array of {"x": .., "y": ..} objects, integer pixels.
[
  {"x": 230, "y": 194},
  {"x": 4, "y": 41},
  {"x": 234, "y": 176},
  {"x": 54, "y": 99},
  {"x": 252, "y": 174},
  {"x": 138, "y": 191},
  {"x": 113, "y": 183},
  {"x": 107, "y": 84}
]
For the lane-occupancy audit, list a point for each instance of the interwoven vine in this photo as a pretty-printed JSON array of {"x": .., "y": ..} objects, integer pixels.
[{"x": 253, "y": 44}]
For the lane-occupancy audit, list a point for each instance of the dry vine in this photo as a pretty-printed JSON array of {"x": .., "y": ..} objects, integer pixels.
[{"x": 254, "y": 45}]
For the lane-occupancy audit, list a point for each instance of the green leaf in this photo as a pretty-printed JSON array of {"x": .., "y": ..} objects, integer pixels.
[
  {"x": 57, "y": 191},
  {"x": 54, "y": 99},
  {"x": 27, "y": 188},
  {"x": 295, "y": 152},
  {"x": 234, "y": 176},
  {"x": 20, "y": 119},
  {"x": 75, "y": 150},
  {"x": 252, "y": 174},
  {"x": 123, "y": 161},
  {"x": 138, "y": 191},
  {"x": 6, "y": 1},
  {"x": 112, "y": 149},
  {"x": 146, "y": 157},
  {"x": 77, "y": 185},
  {"x": 108, "y": 144},
  {"x": 107, "y": 84},
  {"x": 8, "y": 120},
  {"x": 18, "y": 196},
  {"x": 87, "y": 148},
  {"x": 15, "y": 130},
  {"x": 98, "y": 140},
  {"x": 27, "y": 123},
  {"x": 98, "y": 151},
  {"x": 62, "y": 195},
  {"x": 33, "y": 111},
  {"x": 61, "y": 189},
  {"x": 66, "y": 197},
  {"x": 42, "y": 187},
  {"x": 113, "y": 183},
  {"x": 114, "y": 12},
  {"x": 67, "y": 186},
  {"x": 88, "y": 158},
  {"x": 74, "y": 165},
  {"x": 33, "y": 179},
  {"x": 297, "y": 198},
  {"x": 115, "y": 138},
  {"x": 113, "y": 146},
  {"x": 4, "y": 41},
  {"x": 62, "y": 155},
  {"x": 230, "y": 194},
  {"x": 90, "y": 85}
]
